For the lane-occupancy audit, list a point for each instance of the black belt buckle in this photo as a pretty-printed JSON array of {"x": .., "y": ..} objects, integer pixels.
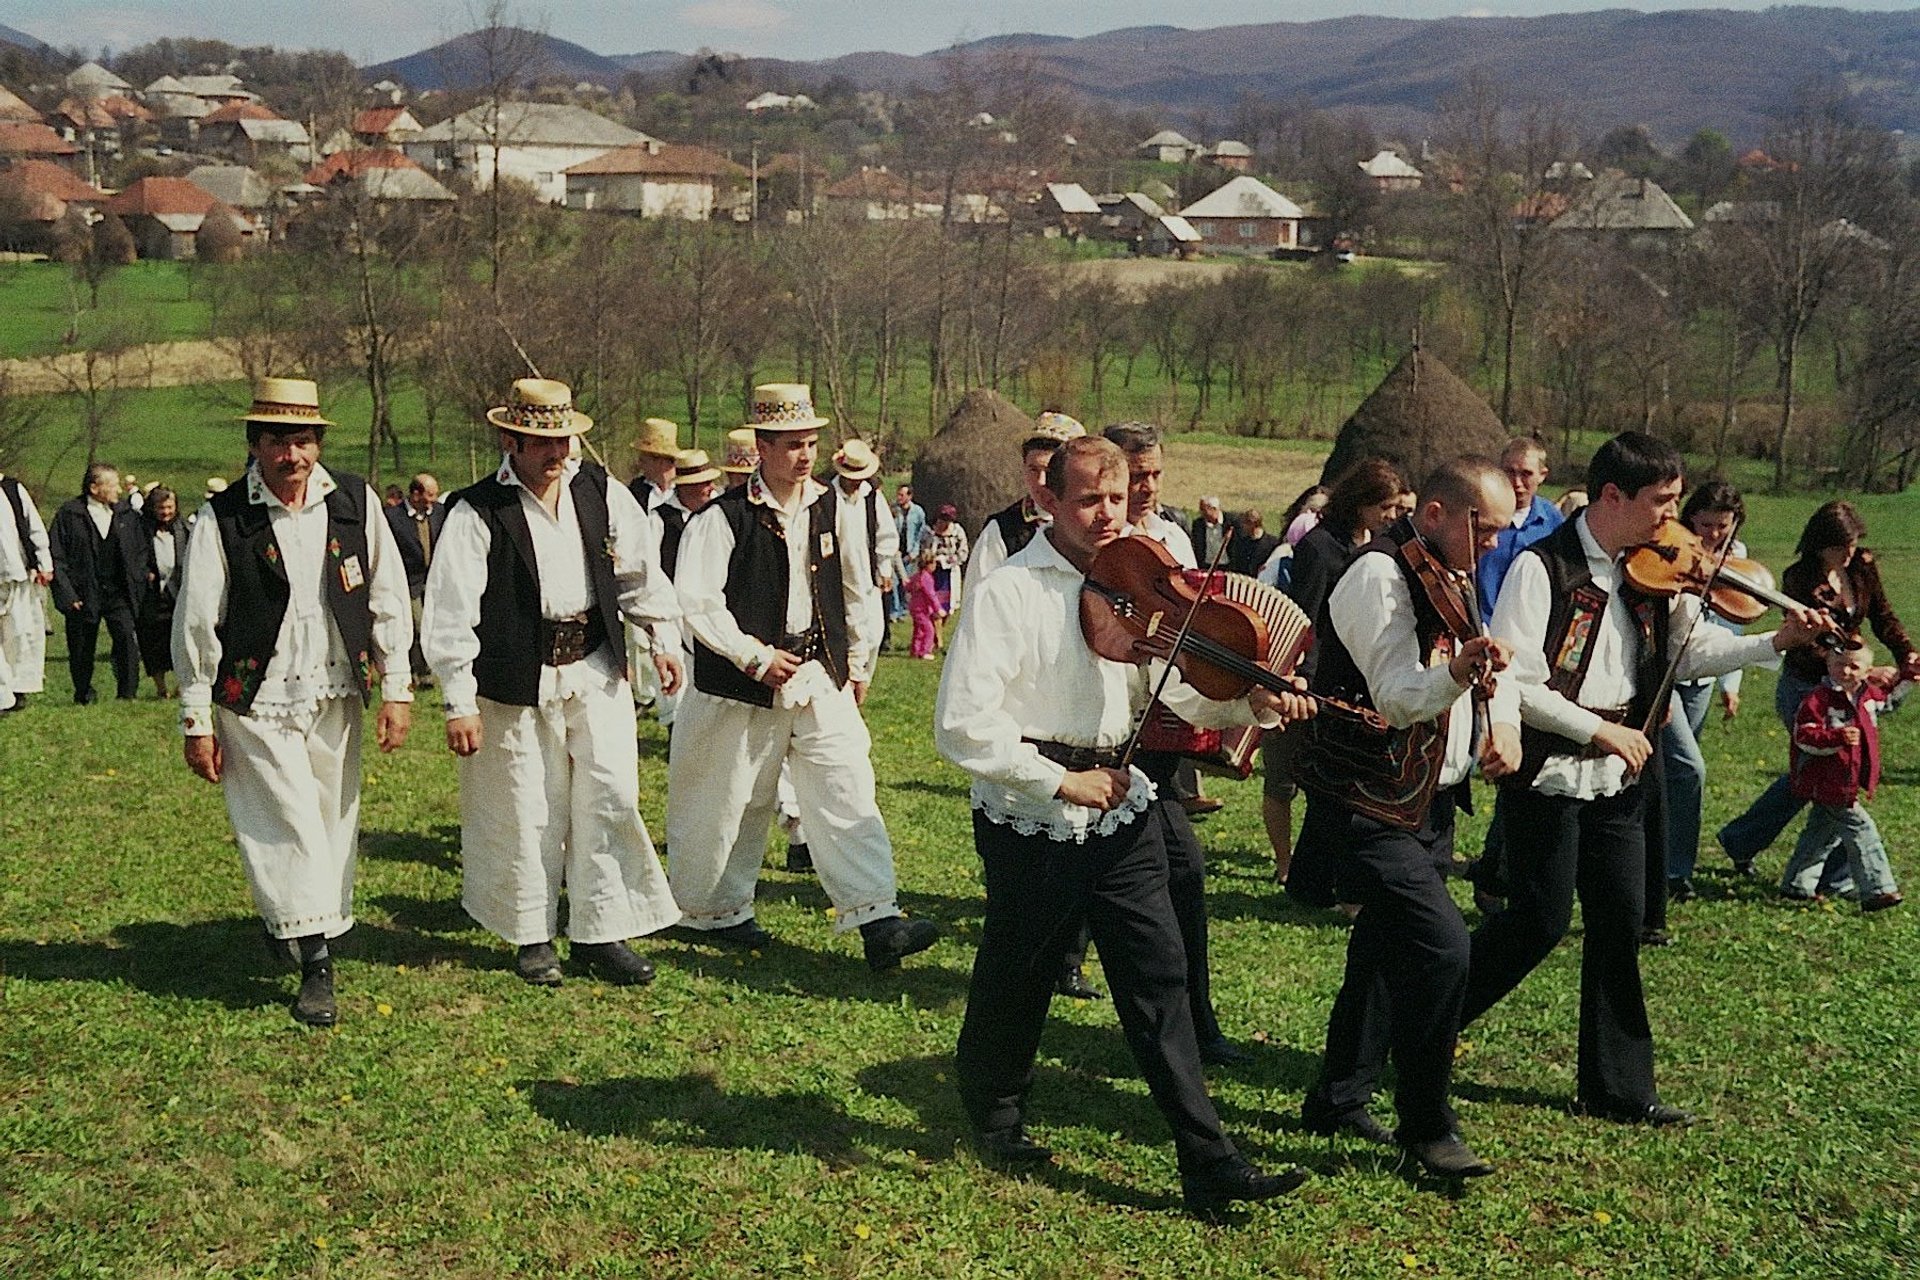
[
  {"x": 803, "y": 645},
  {"x": 567, "y": 641}
]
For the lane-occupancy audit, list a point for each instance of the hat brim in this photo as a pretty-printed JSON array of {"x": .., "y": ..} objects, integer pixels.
[
  {"x": 804, "y": 424},
  {"x": 858, "y": 473},
  {"x": 656, "y": 453},
  {"x": 738, "y": 470},
  {"x": 698, "y": 477},
  {"x": 577, "y": 424},
  {"x": 287, "y": 419}
]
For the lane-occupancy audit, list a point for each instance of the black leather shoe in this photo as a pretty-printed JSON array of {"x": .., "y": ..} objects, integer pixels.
[
  {"x": 1448, "y": 1157},
  {"x": 1222, "y": 1052},
  {"x": 745, "y": 936},
  {"x": 799, "y": 857},
  {"x": 315, "y": 1006},
  {"x": 614, "y": 962},
  {"x": 1358, "y": 1123},
  {"x": 538, "y": 965},
  {"x": 1656, "y": 1113},
  {"x": 892, "y": 940},
  {"x": 1651, "y": 937},
  {"x": 1679, "y": 889},
  {"x": 1208, "y": 1193},
  {"x": 1744, "y": 868},
  {"x": 1011, "y": 1146},
  {"x": 1074, "y": 985},
  {"x": 85, "y": 698}
]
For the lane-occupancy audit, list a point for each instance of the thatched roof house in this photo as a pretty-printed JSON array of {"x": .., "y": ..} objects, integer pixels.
[
  {"x": 974, "y": 461},
  {"x": 1419, "y": 416}
]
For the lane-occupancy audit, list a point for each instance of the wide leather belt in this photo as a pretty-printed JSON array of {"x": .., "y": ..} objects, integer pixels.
[
  {"x": 803, "y": 645},
  {"x": 1074, "y": 758},
  {"x": 564, "y": 641}
]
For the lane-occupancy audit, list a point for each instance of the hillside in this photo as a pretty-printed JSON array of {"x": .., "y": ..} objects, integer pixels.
[
  {"x": 1674, "y": 71},
  {"x": 461, "y": 62},
  {"x": 13, "y": 35}
]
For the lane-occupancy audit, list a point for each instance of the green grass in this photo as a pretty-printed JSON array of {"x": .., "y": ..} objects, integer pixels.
[
  {"x": 791, "y": 1114},
  {"x": 155, "y": 299}
]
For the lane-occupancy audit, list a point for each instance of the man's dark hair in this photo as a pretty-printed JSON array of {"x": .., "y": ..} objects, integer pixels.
[
  {"x": 1133, "y": 437},
  {"x": 94, "y": 471},
  {"x": 1460, "y": 482},
  {"x": 1631, "y": 461},
  {"x": 1111, "y": 457}
]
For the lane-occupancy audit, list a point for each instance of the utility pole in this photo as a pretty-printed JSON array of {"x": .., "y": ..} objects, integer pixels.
[{"x": 754, "y": 219}]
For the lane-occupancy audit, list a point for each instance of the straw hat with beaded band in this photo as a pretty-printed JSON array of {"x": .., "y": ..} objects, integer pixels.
[
  {"x": 540, "y": 407},
  {"x": 783, "y": 406},
  {"x": 743, "y": 455},
  {"x": 286, "y": 402}
]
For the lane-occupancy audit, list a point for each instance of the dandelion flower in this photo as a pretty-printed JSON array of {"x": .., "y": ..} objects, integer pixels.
[
  {"x": 863, "y": 1231},
  {"x": 1602, "y": 1217},
  {"x": 384, "y": 1009}
]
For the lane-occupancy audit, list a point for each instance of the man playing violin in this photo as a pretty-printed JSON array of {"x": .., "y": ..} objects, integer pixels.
[
  {"x": 1403, "y": 638},
  {"x": 1062, "y": 827},
  {"x": 1591, "y": 658}
]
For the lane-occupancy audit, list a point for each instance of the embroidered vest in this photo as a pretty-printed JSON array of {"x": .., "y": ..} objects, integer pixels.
[
  {"x": 1388, "y": 776},
  {"x": 756, "y": 591},
  {"x": 508, "y": 666},
  {"x": 1577, "y": 611},
  {"x": 258, "y": 591},
  {"x": 1015, "y": 529}
]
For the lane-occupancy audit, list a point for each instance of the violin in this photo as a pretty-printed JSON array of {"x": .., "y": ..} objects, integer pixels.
[
  {"x": 1676, "y": 562},
  {"x": 1456, "y": 598},
  {"x": 1137, "y": 605}
]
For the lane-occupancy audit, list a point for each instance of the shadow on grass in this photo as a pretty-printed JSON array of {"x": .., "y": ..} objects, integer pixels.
[
  {"x": 438, "y": 848},
  {"x": 786, "y": 968},
  {"x": 951, "y": 790},
  {"x": 222, "y": 961}
]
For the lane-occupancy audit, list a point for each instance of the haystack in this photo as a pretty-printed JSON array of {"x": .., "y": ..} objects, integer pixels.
[
  {"x": 974, "y": 460},
  {"x": 1419, "y": 416}
]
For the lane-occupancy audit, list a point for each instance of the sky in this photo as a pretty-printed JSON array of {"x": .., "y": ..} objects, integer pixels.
[{"x": 375, "y": 30}]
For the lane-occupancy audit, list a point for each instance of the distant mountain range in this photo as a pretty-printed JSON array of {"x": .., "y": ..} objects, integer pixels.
[{"x": 11, "y": 35}]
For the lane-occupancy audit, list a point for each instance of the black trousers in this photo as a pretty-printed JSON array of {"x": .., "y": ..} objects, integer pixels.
[
  {"x": 1315, "y": 870},
  {"x": 1186, "y": 886},
  {"x": 1406, "y": 973},
  {"x": 1039, "y": 893},
  {"x": 1557, "y": 847},
  {"x": 83, "y": 636}
]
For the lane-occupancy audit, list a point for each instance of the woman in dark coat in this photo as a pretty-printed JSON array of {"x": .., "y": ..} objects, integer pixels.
[{"x": 153, "y": 613}]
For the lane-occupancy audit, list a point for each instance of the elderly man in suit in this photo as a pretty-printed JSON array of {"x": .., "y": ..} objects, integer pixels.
[
  {"x": 99, "y": 571},
  {"x": 416, "y": 528}
]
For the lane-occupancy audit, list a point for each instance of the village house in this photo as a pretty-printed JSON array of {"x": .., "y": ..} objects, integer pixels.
[
  {"x": 1245, "y": 215},
  {"x": 1170, "y": 147},
  {"x": 876, "y": 194},
  {"x": 771, "y": 101},
  {"x": 1388, "y": 172},
  {"x": 654, "y": 180},
  {"x": 91, "y": 80},
  {"x": 1127, "y": 216},
  {"x": 388, "y": 126},
  {"x": 15, "y": 109},
  {"x": 1171, "y": 236},
  {"x": 534, "y": 143},
  {"x": 1067, "y": 208},
  {"x": 36, "y": 194},
  {"x": 235, "y": 186},
  {"x": 1632, "y": 210},
  {"x": 23, "y": 141},
  {"x": 376, "y": 173},
  {"x": 247, "y": 133},
  {"x": 1236, "y": 157},
  {"x": 166, "y": 214}
]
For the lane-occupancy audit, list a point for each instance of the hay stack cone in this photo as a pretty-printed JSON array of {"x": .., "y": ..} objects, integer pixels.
[
  {"x": 1419, "y": 416},
  {"x": 974, "y": 461}
]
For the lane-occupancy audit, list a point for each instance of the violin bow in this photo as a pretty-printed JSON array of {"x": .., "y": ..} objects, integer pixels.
[
  {"x": 1483, "y": 671},
  {"x": 1658, "y": 709},
  {"x": 1179, "y": 640}
]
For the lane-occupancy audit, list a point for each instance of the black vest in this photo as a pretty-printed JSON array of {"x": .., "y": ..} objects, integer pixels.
[
  {"x": 873, "y": 533},
  {"x": 673, "y": 526},
  {"x": 1565, "y": 558},
  {"x": 17, "y": 499},
  {"x": 258, "y": 591},
  {"x": 508, "y": 667},
  {"x": 1388, "y": 776},
  {"x": 756, "y": 590},
  {"x": 1015, "y": 529}
]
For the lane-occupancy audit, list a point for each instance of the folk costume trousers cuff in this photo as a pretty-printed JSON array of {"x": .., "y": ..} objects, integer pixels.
[
  {"x": 723, "y": 777},
  {"x": 551, "y": 801},
  {"x": 23, "y": 640},
  {"x": 293, "y": 793},
  {"x": 1558, "y": 846}
]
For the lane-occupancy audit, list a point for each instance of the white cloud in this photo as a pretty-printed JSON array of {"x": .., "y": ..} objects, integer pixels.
[{"x": 736, "y": 15}]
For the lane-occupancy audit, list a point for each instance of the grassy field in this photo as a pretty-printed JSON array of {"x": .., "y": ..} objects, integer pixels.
[
  {"x": 156, "y": 300},
  {"x": 790, "y": 1114}
]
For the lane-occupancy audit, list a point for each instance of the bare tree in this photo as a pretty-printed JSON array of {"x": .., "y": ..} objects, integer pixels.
[
  {"x": 21, "y": 420},
  {"x": 100, "y": 375},
  {"x": 507, "y": 53}
]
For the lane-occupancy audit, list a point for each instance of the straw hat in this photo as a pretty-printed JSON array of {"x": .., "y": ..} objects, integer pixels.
[
  {"x": 743, "y": 455},
  {"x": 286, "y": 402},
  {"x": 856, "y": 460},
  {"x": 1056, "y": 428},
  {"x": 215, "y": 484},
  {"x": 658, "y": 437},
  {"x": 540, "y": 407},
  {"x": 692, "y": 466},
  {"x": 783, "y": 406}
]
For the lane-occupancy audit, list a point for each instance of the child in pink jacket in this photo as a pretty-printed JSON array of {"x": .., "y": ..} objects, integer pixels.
[
  {"x": 1836, "y": 766},
  {"x": 923, "y": 605}
]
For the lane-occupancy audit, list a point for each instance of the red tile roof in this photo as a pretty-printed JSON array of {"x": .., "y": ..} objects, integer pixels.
[
  {"x": 355, "y": 161},
  {"x": 121, "y": 107},
  {"x": 238, "y": 110},
  {"x": 158, "y": 196},
  {"x": 377, "y": 120},
  {"x": 33, "y": 140},
  {"x": 85, "y": 114},
  {"x": 661, "y": 159},
  {"x": 44, "y": 177}
]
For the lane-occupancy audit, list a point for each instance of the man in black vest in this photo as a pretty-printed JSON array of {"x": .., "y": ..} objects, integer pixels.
[
  {"x": 1384, "y": 645},
  {"x": 1008, "y": 530},
  {"x": 654, "y": 452},
  {"x": 99, "y": 572},
  {"x": 1590, "y": 657},
  {"x": 538, "y": 564},
  {"x": 855, "y": 465},
  {"x": 775, "y": 582},
  {"x": 695, "y": 480},
  {"x": 416, "y": 529},
  {"x": 292, "y": 598},
  {"x": 26, "y": 567}
]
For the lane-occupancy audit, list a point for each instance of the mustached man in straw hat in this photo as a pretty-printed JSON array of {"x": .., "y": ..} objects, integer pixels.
[
  {"x": 292, "y": 598},
  {"x": 695, "y": 481},
  {"x": 537, "y": 565},
  {"x": 775, "y": 582}
]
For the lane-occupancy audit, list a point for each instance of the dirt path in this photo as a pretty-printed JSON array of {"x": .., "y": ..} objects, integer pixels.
[{"x": 158, "y": 364}]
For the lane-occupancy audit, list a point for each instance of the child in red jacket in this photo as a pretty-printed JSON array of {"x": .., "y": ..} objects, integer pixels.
[{"x": 1836, "y": 766}]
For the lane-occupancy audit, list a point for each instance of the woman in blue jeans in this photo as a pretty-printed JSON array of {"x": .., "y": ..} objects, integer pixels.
[
  {"x": 1713, "y": 512},
  {"x": 1833, "y": 571}
]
